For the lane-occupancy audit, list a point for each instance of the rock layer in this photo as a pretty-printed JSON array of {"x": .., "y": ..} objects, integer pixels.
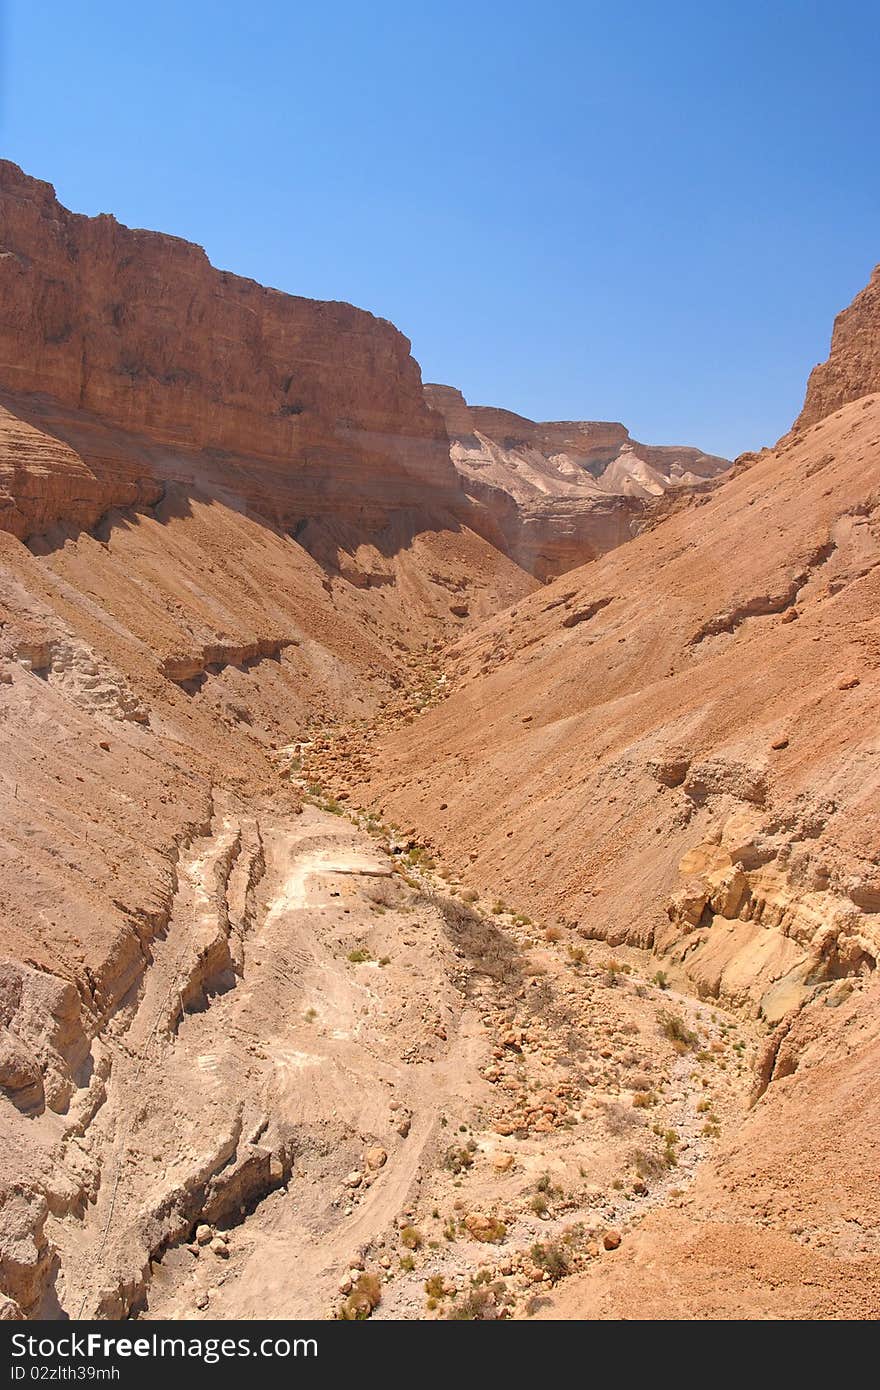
[
  {"x": 562, "y": 492},
  {"x": 297, "y": 406}
]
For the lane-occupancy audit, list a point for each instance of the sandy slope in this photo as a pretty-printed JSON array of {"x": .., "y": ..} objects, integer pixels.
[{"x": 676, "y": 746}]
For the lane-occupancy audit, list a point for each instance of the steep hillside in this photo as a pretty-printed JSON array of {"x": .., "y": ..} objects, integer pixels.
[
  {"x": 562, "y": 492},
  {"x": 625, "y": 695},
  {"x": 675, "y": 747}
]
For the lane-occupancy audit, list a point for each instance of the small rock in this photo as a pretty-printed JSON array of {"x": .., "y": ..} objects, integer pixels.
[
  {"x": 220, "y": 1248},
  {"x": 375, "y": 1158},
  {"x": 204, "y": 1235},
  {"x": 611, "y": 1240},
  {"x": 354, "y": 1179}
]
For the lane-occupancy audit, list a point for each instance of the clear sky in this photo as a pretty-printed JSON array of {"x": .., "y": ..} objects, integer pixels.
[{"x": 620, "y": 210}]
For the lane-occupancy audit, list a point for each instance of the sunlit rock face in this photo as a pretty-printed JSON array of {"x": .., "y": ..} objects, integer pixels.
[{"x": 562, "y": 492}]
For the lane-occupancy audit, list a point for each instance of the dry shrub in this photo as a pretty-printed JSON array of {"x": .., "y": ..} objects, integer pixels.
[{"x": 364, "y": 1297}]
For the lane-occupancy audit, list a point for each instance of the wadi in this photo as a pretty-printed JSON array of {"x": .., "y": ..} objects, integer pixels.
[{"x": 439, "y": 865}]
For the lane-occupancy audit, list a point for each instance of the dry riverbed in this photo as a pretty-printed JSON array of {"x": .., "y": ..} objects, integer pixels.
[{"x": 479, "y": 1106}]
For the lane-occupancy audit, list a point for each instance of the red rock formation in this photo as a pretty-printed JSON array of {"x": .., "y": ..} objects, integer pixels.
[
  {"x": 319, "y": 404},
  {"x": 853, "y": 366}
]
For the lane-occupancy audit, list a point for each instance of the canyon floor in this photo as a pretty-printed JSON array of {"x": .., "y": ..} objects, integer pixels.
[{"x": 476, "y": 1106}]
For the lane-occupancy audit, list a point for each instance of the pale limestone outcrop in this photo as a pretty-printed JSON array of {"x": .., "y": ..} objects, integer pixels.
[{"x": 561, "y": 492}]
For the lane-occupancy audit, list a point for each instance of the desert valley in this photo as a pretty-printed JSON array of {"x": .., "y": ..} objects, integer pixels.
[{"x": 440, "y": 874}]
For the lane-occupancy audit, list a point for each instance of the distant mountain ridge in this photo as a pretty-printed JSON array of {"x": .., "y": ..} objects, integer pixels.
[{"x": 562, "y": 492}]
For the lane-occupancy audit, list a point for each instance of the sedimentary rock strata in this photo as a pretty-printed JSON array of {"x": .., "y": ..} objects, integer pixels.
[{"x": 562, "y": 492}]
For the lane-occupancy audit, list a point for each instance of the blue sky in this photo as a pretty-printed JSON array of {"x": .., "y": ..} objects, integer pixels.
[{"x": 639, "y": 211}]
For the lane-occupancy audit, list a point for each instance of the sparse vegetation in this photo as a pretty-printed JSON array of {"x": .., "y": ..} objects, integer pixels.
[
  {"x": 552, "y": 1258},
  {"x": 647, "y": 1165},
  {"x": 364, "y": 1297},
  {"x": 457, "y": 1160},
  {"x": 642, "y": 1100},
  {"x": 676, "y": 1030},
  {"x": 478, "y": 1304},
  {"x": 619, "y": 1119}
]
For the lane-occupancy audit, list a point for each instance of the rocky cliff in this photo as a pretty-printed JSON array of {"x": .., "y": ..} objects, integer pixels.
[
  {"x": 561, "y": 492},
  {"x": 853, "y": 366},
  {"x": 232, "y": 605},
  {"x": 299, "y": 407}
]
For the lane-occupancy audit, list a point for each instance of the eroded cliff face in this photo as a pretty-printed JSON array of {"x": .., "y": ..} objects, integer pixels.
[
  {"x": 562, "y": 492},
  {"x": 852, "y": 369},
  {"x": 299, "y": 407}
]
